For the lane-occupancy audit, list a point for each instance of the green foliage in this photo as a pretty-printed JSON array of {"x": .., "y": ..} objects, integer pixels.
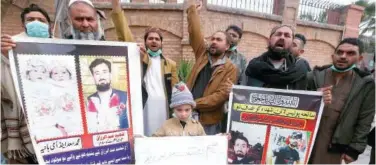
[{"x": 184, "y": 70}]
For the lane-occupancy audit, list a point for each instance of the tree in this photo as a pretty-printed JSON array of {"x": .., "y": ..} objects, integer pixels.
[{"x": 367, "y": 24}]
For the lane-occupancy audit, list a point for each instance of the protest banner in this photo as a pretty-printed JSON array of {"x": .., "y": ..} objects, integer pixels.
[
  {"x": 272, "y": 126},
  {"x": 80, "y": 98},
  {"x": 182, "y": 150}
]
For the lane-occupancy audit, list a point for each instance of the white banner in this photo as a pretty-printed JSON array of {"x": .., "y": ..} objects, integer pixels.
[{"x": 181, "y": 150}]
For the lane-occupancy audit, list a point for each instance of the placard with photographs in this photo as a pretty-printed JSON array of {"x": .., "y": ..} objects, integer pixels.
[
  {"x": 78, "y": 98},
  {"x": 272, "y": 126}
]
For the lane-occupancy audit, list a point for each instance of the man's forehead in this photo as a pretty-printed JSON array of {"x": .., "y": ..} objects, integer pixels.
[
  {"x": 219, "y": 35},
  {"x": 35, "y": 14},
  {"x": 284, "y": 29},
  {"x": 83, "y": 10},
  {"x": 348, "y": 47}
]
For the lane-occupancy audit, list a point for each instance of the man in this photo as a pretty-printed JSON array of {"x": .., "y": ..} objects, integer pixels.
[
  {"x": 346, "y": 122},
  {"x": 213, "y": 74},
  {"x": 84, "y": 20},
  {"x": 289, "y": 154},
  {"x": 297, "y": 49},
  {"x": 235, "y": 56},
  {"x": 106, "y": 108},
  {"x": 277, "y": 68},
  {"x": 157, "y": 81},
  {"x": 19, "y": 149},
  {"x": 36, "y": 23},
  {"x": 241, "y": 148}
]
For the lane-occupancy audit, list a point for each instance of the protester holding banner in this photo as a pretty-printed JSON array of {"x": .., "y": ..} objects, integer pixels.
[
  {"x": 345, "y": 122},
  {"x": 182, "y": 123},
  {"x": 18, "y": 149},
  {"x": 213, "y": 73},
  {"x": 157, "y": 82},
  {"x": 277, "y": 68}
]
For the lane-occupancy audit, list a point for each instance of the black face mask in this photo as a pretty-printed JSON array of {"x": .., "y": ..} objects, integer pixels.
[{"x": 277, "y": 54}]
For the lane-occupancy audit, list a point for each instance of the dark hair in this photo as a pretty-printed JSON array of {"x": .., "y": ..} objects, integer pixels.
[
  {"x": 242, "y": 137},
  {"x": 31, "y": 8},
  {"x": 237, "y": 29},
  {"x": 98, "y": 61},
  {"x": 228, "y": 37},
  {"x": 70, "y": 74},
  {"x": 352, "y": 41},
  {"x": 153, "y": 30},
  {"x": 301, "y": 37}
]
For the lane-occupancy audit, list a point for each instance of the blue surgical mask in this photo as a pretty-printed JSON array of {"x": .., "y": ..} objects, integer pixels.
[
  {"x": 37, "y": 29},
  {"x": 342, "y": 70},
  {"x": 154, "y": 54}
]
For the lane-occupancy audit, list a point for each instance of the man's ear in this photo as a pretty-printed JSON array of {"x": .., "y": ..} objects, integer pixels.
[
  {"x": 360, "y": 58},
  {"x": 301, "y": 51}
]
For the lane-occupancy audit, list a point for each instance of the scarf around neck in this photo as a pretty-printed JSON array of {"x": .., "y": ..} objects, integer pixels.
[{"x": 262, "y": 69}]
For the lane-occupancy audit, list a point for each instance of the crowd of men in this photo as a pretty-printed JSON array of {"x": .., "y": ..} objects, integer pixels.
[{"x": 349, "y": 92}]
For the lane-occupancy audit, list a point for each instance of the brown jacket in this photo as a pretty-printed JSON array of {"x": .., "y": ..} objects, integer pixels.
[
  {"x": 169, "y": 72},
  {"x": 173, "y": 127},
  {"x": 211, "y": 105}
]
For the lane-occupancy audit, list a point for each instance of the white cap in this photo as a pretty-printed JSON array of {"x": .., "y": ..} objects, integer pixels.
[{"x": 85, "y": 1}]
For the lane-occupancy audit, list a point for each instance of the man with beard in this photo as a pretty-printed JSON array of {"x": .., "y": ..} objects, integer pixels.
[
  {"x": 277, "y": 68},
  {"x": 213, "y": 73},
  {"x": 297, "y": 49},
  {"x": 84, "y": 20},
  {"x": 289, "y": 154},
  {"x": 241, "y": 148},
  {"x": 106, "y": 108},
  {"x": 157, "y": 81},
  {"x": 346, "y": 122}
]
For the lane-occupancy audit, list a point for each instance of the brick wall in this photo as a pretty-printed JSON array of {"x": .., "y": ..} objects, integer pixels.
[{"x": 171, "y": 19}]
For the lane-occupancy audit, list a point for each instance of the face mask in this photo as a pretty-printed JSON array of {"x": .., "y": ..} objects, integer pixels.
[
  {"x": 154, "y": 54},
  {"x": 342, "y": 70},
  {"x": 233, "y": 48},
  {"x": 37, "y": 29}
]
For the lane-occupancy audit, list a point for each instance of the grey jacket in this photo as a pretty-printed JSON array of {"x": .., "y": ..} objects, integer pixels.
[
  {"x": 241, "y": 63},
  {"x": 354, "y": 123}
]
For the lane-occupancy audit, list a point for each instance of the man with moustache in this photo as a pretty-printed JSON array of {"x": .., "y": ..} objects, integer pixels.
[
  {"x": 213, "y": 73},
  {"x": 241, "y": 148},
  {"x": 84, "y": 20},
  {"x": 277, "y": 68},
  {"x": 346, "y": 122},
  {"x": 289, "y": 154},
  {"x": 106, "y": 108}
]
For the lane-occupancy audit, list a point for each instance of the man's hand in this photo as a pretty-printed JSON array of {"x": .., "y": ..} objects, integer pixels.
[
  {"x": 327, "y": 94},
  {"x": 7, "y": 44},
  {"x": 198, "y": 5},
  {"x": 116, "y": 4},
  {"x": 347, "y": 158},
  {"x": 229, "y": 85},
  {"x": 142, "y": 49}
]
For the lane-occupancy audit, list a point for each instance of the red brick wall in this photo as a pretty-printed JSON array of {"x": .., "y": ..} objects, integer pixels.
[{"x": 320, "y": 45}]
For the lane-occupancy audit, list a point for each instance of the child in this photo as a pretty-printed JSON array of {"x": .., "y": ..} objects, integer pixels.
[
  {"x": 60, "y": 73},
  {"x": 182, "y": 123},
  {"x": 36, "y": 70}
]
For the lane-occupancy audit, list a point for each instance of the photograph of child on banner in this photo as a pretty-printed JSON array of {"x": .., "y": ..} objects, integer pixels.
[
  {"x": 50, "y": 89},
  {"x": 287, "y": 146}
]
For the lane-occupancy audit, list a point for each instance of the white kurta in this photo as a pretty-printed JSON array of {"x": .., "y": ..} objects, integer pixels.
[{"x": 155, "y": 112}]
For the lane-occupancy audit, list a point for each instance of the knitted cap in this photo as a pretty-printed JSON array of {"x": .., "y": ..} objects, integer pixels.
[{"x": 181, "y": 95}]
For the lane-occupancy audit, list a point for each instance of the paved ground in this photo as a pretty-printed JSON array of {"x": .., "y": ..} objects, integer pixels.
[{"x": 364, "y": 158}]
